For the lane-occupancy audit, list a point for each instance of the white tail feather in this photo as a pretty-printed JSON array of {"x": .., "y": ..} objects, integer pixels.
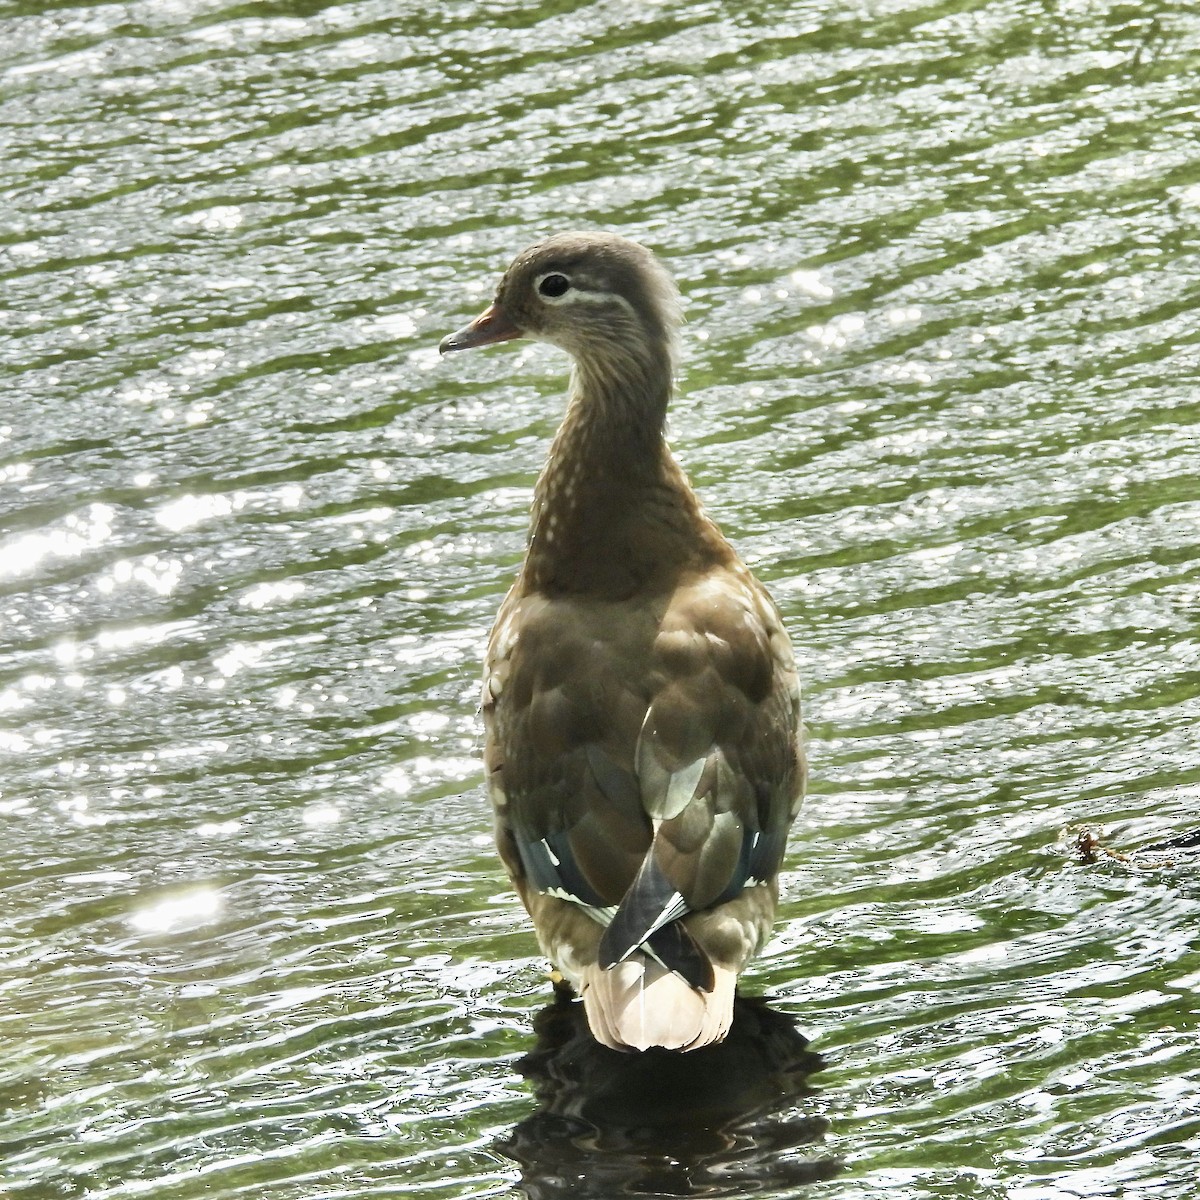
[{"x": 638, "y": 1003}]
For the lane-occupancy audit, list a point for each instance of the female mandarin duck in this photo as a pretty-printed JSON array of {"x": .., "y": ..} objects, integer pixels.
[{"x": 640, "y": 697}]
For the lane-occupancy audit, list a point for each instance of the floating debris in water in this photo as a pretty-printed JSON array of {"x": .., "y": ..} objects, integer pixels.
[{"x": 1085, "y": 844}]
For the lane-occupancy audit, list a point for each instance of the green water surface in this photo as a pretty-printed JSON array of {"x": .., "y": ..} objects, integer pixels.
[{"x": 941, "y": 265}]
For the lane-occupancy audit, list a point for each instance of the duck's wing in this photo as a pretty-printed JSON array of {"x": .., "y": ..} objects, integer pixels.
[
  {"x": 564, "y": 699},
  {"x": 719, "y": 768},
  {"x": 643, "y": 761}
]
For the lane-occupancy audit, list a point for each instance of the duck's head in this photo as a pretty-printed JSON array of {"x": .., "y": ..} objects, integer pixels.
[{"x": 600, "y": 297}]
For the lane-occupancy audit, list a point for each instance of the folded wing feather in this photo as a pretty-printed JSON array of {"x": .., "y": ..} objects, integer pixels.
[{"x": 650, "y": 774}]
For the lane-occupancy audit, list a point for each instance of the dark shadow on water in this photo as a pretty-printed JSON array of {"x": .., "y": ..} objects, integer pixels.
[
  {"x": 1182, "y": 841},
  {"x": 719, "y": 1122}
]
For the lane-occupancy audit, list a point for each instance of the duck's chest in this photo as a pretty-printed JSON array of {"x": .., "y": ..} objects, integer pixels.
[{"x": 605, "y": 545}]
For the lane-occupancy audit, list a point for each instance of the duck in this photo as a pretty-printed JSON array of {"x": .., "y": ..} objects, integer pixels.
[{"x": 641, "y": 704}]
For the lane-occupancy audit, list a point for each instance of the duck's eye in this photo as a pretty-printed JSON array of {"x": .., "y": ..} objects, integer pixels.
[{"x": 553, "y": 285}]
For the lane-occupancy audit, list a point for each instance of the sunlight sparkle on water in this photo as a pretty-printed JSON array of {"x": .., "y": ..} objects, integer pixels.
[
  {"x": 189, "y": 510},
  {"x": 79, "y": 532},
  {"x": 263, "y": 594},
  {"x": 425, "y": 770},
  {"x": 811, "y": 284},
  {"x": 184, "y": 910},
  {"x": 321, "y": 814}
]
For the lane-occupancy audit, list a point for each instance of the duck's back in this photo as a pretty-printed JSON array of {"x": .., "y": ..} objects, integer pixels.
[{"x": 643, "y": 760}]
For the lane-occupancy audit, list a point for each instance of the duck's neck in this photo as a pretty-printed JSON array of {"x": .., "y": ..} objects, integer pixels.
[{"x": 613, "y": 513}]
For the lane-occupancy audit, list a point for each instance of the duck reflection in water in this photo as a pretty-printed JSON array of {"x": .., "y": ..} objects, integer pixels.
[{"x": 720, "y": 1121}]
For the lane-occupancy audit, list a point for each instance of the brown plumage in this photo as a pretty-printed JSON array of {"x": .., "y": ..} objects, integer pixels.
[{"x": 640, "y": 697}]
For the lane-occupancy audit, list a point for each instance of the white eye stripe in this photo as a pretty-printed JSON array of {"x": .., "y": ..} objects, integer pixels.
[{"x": 575, "y": 295}]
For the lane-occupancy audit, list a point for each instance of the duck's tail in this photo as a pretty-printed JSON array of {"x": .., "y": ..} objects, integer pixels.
[{"x": 639, "y": 1003}]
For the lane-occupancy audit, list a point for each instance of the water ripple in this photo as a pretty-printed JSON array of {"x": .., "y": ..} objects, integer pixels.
[{"x": 938, "y": 262}]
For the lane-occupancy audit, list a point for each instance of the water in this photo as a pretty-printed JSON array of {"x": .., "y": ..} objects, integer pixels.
[{"x": 941, "y": 272}]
